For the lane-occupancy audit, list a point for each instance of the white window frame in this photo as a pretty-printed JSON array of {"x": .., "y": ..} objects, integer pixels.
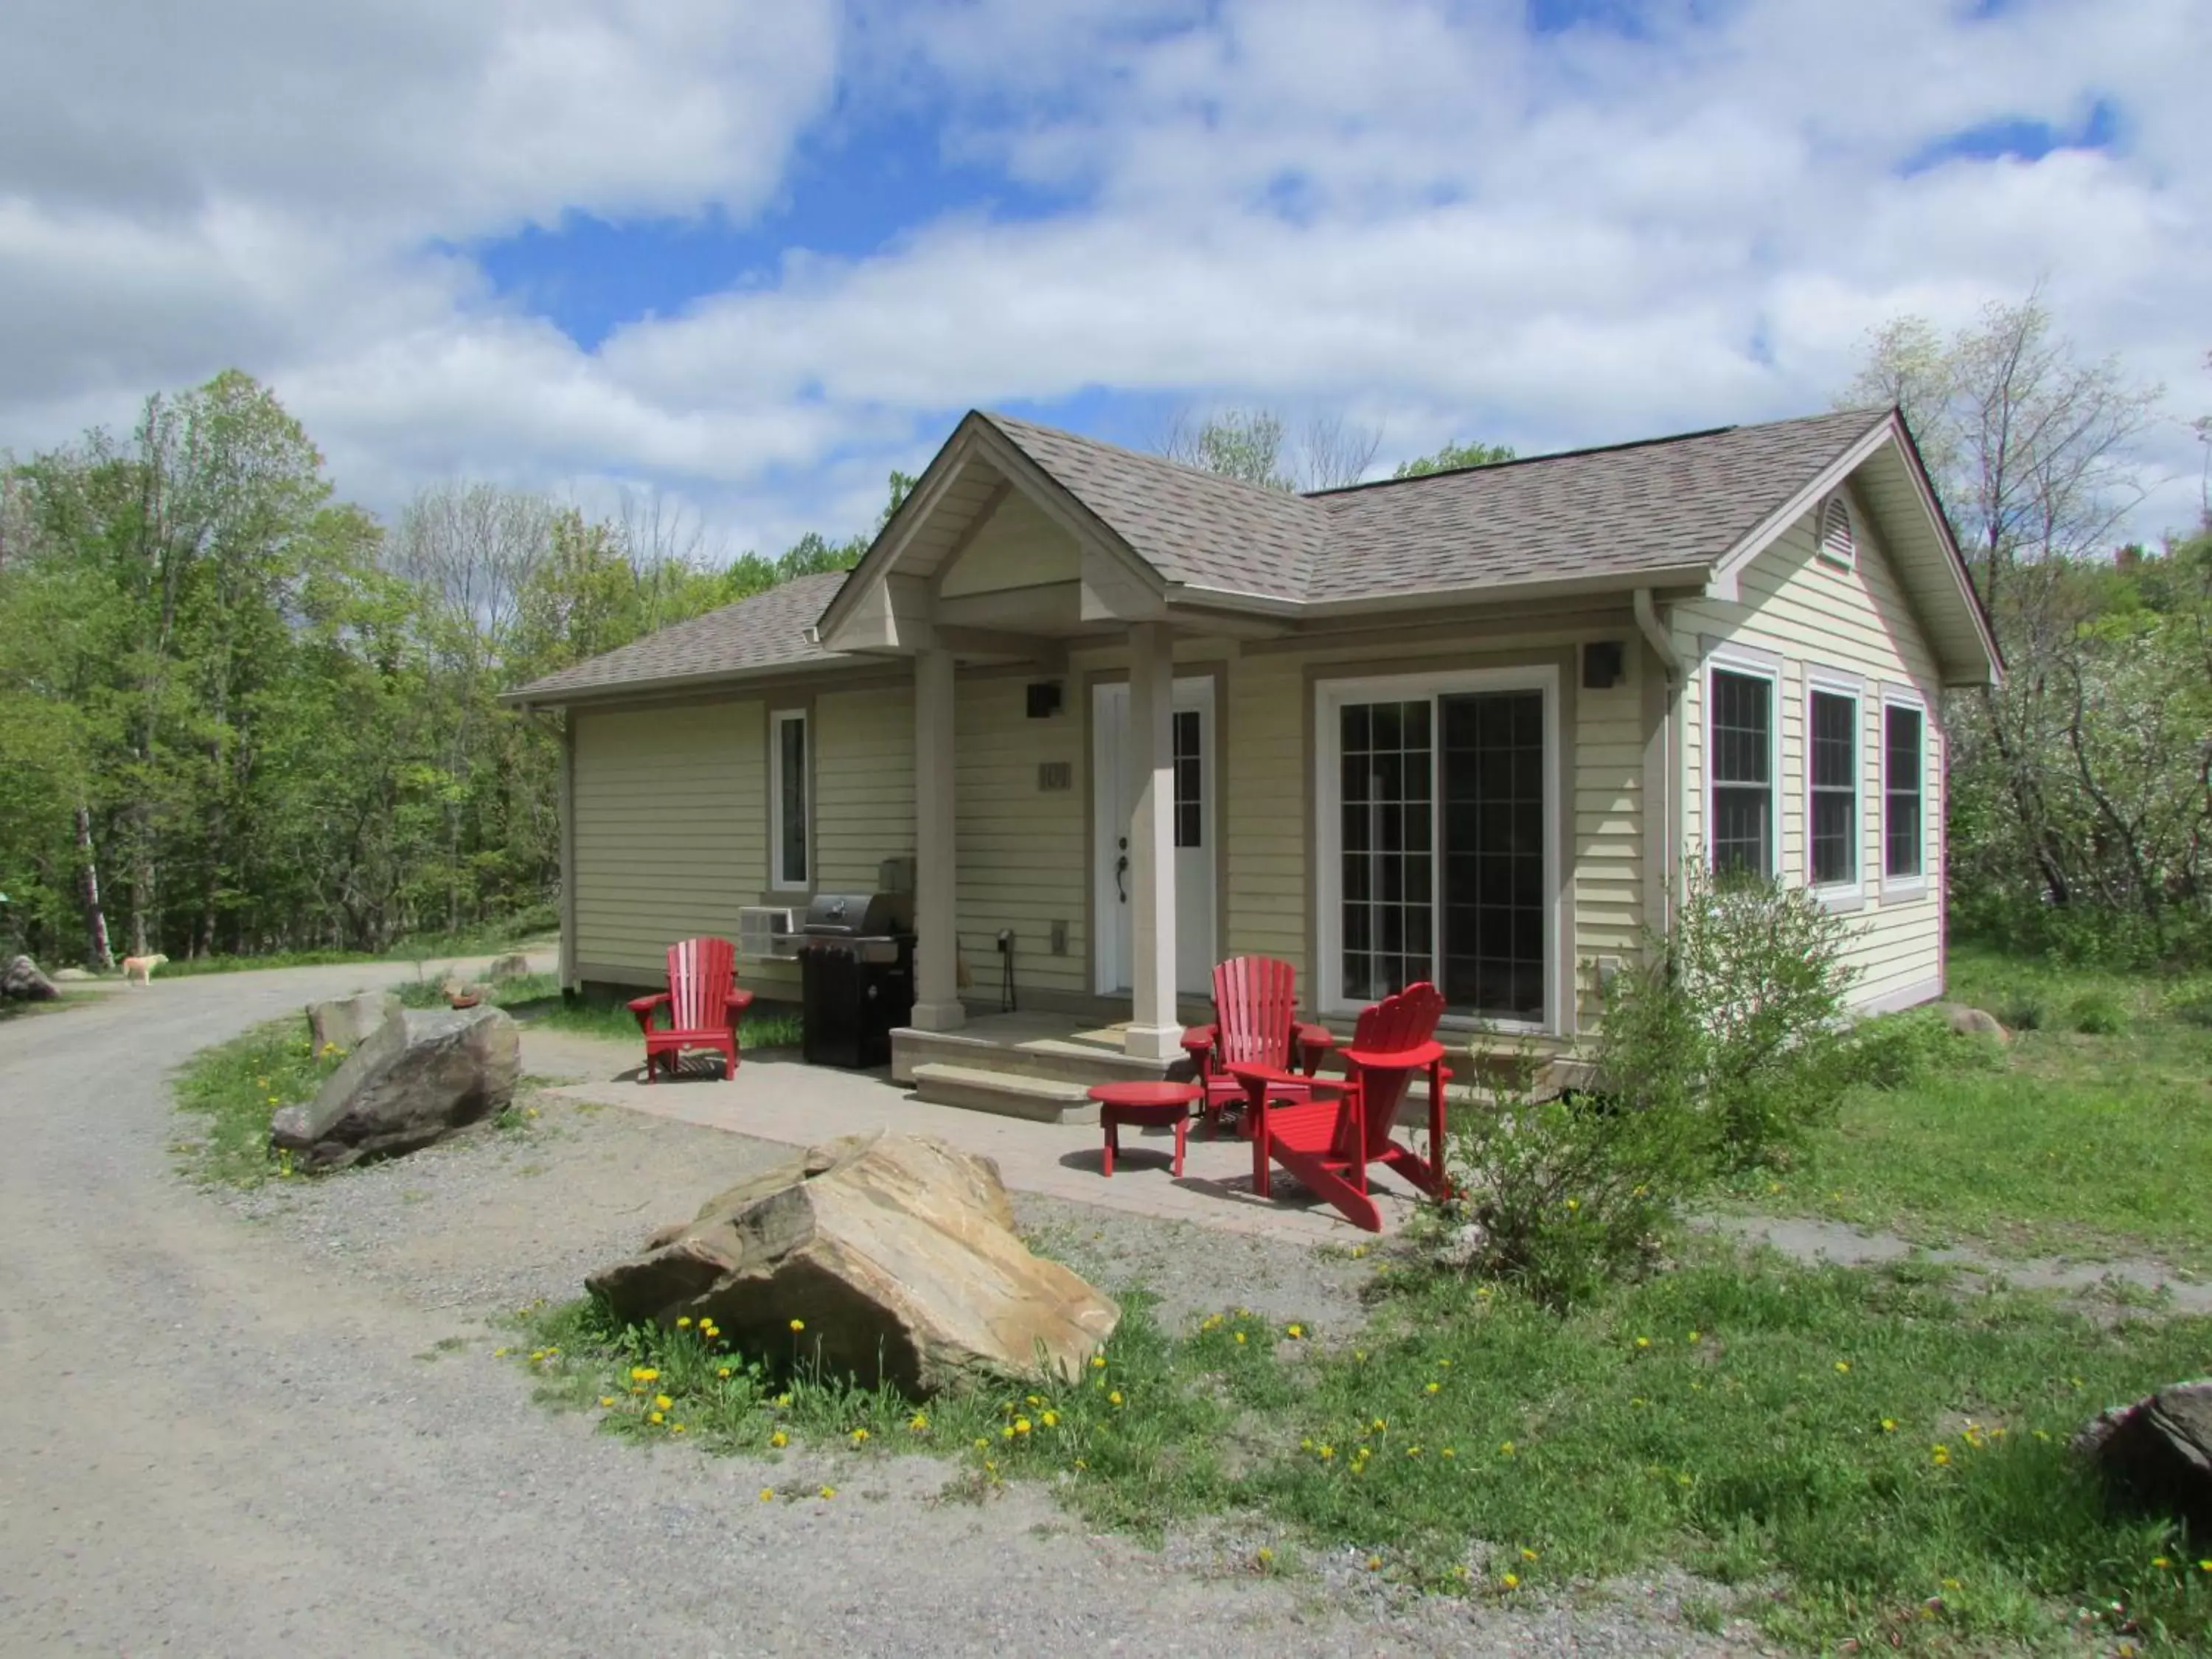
[
  {"x": 1834, "y": 682},
  {"x": 1901, "y": 889},
  {"x": 1826, "y": 555},
  {"x": 1758, "y": 668},
  {"x": 777, "y": 720},
  {"x": 1329, "y": 697}
]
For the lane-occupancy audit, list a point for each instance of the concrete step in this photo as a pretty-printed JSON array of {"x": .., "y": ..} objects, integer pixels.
[
  {"x": 1064, "y": 1059},
  {"x": 1009, "y": 1094}
]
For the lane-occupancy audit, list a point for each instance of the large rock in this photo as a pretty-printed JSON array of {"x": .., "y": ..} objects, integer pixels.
[
  {"x": 413, "y": 1080},
  {"x": 72, "y": 976},
  {"x": 2157, "y": 1453},
  {"x": 897, "y": 1251},
  {"x": 516, "y": 966},
  {"x": 347, "y": 1022},
  {"x": 22, "y": 980}
]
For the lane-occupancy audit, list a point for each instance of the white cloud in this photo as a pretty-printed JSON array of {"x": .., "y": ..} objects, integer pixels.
[{"x": 1412, "y": 208}]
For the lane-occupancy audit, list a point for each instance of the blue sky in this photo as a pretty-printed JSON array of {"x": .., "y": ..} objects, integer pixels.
[{"x": 748, "y": 256}]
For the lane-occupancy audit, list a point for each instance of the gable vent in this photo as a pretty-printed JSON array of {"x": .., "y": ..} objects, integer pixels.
[{"x": 1836, "y": 546}]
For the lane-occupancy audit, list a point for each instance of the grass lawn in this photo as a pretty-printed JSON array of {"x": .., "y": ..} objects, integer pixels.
[
  {"x": 2091, "y": 1136},
  {"x": 1830, "y": 1448},
  {"x": 536, "y": 1000},
  {"x": 233, "y": 1088},
  {"x": 12, "y": 1009}
]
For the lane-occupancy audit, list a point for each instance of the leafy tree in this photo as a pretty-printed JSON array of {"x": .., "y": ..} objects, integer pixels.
[
  {"x": 1453, "y": 457},
  {"x": 2081, "y": 788},
  {"x": 1254, "y": 446}
]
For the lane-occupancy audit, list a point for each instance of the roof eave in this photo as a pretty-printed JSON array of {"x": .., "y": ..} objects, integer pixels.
[{"x": 532, "y": 696}]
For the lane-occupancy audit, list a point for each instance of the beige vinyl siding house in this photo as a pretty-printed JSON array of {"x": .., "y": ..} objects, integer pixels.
[{"x": 1130, "y": 719}]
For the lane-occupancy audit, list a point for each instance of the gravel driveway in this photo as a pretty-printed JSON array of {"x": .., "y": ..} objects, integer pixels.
[{"x": 272, "y": 1424}]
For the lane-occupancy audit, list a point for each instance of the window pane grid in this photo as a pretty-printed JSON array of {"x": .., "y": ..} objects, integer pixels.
[
  {"x": 1492, "y": 762},
  {"x": 1742, "y": 769},
  {"x": 1834, "y": 746},
  {"x": 1901, "y": 825},
  {"x": 1189, "y": 781},
  {"x": 1385, "y": 868}
]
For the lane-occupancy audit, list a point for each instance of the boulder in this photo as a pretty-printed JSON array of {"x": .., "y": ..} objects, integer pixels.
[
  {"x": 1973, "y": 1022},
  {"x": 22, "y": 980},
  {"x": 346, "y": 1022},
  {"x": 412, "y": 1081},
  {"x": 899, "y": 1254},
  {"x": 516, "y": 966},
  {"x": 2157, "y": 1453},
  {"x": 71, "y": 976}
]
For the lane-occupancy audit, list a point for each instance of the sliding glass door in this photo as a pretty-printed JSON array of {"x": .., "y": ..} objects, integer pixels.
[{"x": 1439, "y": 867}]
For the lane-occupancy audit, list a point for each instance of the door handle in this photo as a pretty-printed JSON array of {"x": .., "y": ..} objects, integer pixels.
[{"x": 1120, "y": 869}]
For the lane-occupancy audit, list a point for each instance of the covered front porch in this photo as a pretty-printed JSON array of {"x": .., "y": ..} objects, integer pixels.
[{"x": 996, "y": 586}]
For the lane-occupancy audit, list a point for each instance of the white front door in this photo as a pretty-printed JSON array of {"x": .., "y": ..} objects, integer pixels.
[{"x": 1194, "y": 818}]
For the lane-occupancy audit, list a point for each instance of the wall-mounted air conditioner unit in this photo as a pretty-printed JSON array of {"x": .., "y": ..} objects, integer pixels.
[{"x": 764, "y": 933}]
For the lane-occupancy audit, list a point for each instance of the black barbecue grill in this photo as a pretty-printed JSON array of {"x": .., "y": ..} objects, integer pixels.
[{"x": 855, "y": 977}]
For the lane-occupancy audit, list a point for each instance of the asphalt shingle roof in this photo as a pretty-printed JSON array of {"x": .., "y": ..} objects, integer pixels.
[
  {"x": 1190, "y": 525},
  {"x": 765, "y": 631},
  {"x": 1615, "y": 512}
]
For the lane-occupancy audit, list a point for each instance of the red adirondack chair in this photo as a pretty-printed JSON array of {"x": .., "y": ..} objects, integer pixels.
[
  {"x": 1255, "y": 1005},
  {"x": 1328, "y": 1139},
  {"x": 703, "y": 1006}
]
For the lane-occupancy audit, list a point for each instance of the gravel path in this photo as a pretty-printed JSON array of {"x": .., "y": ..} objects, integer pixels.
[{"x": 271, "y": 1423}]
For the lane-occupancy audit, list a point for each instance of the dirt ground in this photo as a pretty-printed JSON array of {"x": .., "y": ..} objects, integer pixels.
[{"x": 272, "y": 1423}]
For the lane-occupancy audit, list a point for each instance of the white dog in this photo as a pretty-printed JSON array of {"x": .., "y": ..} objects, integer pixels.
[{"x": 141, "y": 967}]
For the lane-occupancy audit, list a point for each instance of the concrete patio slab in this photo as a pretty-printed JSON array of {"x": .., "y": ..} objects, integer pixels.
[{"x": 776, "y": 1098}]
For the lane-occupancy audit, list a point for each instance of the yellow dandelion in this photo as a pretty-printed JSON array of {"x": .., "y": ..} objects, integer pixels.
[
  {"x": 684, "y": 1323},
  {"x": 1294, "y": 1332},
  {"x": 1021, "y": 1425},
  {"x": 645, "y": 1374},
  {"x": 860, "y": 1437},
  {"x": 1114, "y": 1398},
  {"x": 1889, "y": 1426},
  {"x": 2161, "y": 1562},
  {"x": 1240, "y": 1337},
  {"x": 1505, "y": 1449},
  {"x": 918, "y": 1422},
  {"x": 676, "y": 1428},
  {"x": 654, "y": 1417},
  {"x": 1379, "y": 1424},
  {"x": 1447, "y": 1452},
  {"x": 1433, "y": 1387},
  {"x": 1050, "y": 1420},
  {"x": 768, "y": 1494},
  {"x": 606, "y": 1400},
  {"x": 1264, "y": 1556},
  {"x": 1326, "y": 1453},
  {"x": 779, "y": 1439},
  {"x": 1511, "y": 1581},
  {"x": 502, "y": 1353},
  {"x": 1843, "y": 1365},
  {"x": 662, "y": 1401},
  {"x": 798, "y": 1324},
  {"x": 722, "y": 1371},
  {"x": 1097, "y": 1362},
  {"x": 1693, "y": 1336},
  {"x": 828, "y": 1491},
  {"x": 1006, "y": 1433},
  {"x": 783, "y": 1402},
  {"x": 1374, "y": 1564},
  {"x": 1643, "y": 1341}
]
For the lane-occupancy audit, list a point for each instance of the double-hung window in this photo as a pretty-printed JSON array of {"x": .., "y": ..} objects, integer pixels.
[
  {"x": 1831, "y": 775},
  {"x": 1742, "y": 764},
  {"x": 1903, "y": 744},
  {"x": 790, "y": 866}
]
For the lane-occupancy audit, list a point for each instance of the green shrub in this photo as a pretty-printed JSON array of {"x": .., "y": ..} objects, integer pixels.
[
  {"x": 2097, "y": 1013},
  {"x": 1894, "y": 1051},
  {"x": 1566, "y": 1195}
]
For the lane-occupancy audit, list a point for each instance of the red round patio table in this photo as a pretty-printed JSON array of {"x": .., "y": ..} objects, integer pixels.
[{"x": 1153, "y": 1105}]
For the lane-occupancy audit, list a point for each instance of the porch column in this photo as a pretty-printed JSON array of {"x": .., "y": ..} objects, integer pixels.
[
  {"x": 936, "y": 877},
  {"x": 1154, "y": 1031}
]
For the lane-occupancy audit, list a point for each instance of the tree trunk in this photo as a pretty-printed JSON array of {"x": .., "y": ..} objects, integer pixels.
[{"x": 97, "y": 950}]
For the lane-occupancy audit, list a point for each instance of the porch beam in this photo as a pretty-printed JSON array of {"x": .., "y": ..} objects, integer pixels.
[
  {"x": 1049, "y": 654},
  {"x": 936, "y": 877},
  {"x": 1154, "y": 1032}
]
